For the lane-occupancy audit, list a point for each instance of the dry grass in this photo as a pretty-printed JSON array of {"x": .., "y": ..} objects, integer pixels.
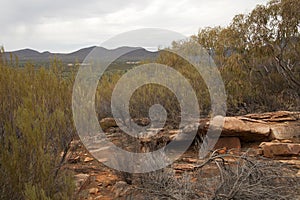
[{"x": 243, "y": 177}]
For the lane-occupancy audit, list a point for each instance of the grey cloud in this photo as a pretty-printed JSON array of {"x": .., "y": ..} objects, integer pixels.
[{"x": 62, "y": 25}]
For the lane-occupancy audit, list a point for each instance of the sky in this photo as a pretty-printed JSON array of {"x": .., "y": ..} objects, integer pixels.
[{"x": 66, "y": 26}]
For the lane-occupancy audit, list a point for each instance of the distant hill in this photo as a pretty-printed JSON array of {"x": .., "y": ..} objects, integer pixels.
[{"x": 136, "y": 54}]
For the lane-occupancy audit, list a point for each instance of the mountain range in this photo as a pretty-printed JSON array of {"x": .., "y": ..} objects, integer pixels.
[{"x": 135, "y": 54}]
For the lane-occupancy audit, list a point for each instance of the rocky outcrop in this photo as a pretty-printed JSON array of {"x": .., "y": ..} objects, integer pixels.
[
  {"x": 278, "y": 134},
  {"x": 260, "y": 127},
  {"x": 237, "y": 130}
]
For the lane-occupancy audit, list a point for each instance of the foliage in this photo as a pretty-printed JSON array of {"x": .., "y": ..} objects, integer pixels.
[
  {"x": 35, "y": 130},
  {"x": 258, "y": 55}
]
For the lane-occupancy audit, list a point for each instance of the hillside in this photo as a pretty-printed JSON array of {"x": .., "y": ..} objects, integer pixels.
[{"x": 29, "y": 55}]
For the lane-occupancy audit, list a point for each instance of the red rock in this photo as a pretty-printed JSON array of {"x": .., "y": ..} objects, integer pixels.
[
  {"x": 260, "y": 127},
  {"x": 106, "y": 179},
  {"x": 93, "y": 190},
  {"x": 271, "y": 149},
  {"x": 248, "y": 130},
  {"x": 88, "y": 159},
  {"x": 228, "y": 143},
  {"x": 288, "y": 130},
  {"x": 222, "y": 151},
  {"x": 183, "y": 167}
]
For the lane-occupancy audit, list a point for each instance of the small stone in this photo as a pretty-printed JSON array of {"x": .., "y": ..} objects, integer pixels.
[
  {"x": 74, "y": 160},
  {"x": 223, "y": 151},
  {"x": 93, "y": 190},
  {"x": 88, "y": 159}
]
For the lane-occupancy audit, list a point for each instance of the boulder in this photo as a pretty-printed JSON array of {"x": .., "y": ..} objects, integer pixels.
[
  {"x": 282, "y": 125},
  {"x": 245, "y": 129},
  {"x": 286, "y": 131},
  {"x": 263, "y": 127},
  {"x": 271, "y": 149}
]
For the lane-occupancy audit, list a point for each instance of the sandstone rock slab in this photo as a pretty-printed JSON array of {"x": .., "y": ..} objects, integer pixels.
[{"x": 271, "y": 149}]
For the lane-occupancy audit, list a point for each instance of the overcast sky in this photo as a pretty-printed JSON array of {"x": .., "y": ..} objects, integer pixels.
[{"x": 65, "y": 25}]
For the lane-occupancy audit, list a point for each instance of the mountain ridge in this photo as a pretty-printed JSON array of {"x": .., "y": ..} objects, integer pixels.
[{"x": 31, "y": 55}]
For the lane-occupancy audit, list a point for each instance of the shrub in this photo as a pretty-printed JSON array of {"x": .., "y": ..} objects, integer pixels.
[
  {"x": 35, "y": 128},
  {"x": 243, "y": 177}
]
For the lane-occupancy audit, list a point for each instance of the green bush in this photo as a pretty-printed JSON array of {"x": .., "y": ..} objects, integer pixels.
[{"x": 35, "y": 128}]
